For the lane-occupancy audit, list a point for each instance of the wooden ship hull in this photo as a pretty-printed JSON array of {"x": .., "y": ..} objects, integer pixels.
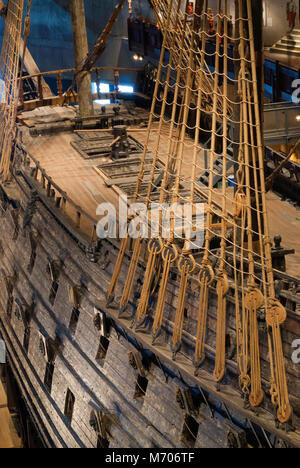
[{"x": 63, "y": 340}]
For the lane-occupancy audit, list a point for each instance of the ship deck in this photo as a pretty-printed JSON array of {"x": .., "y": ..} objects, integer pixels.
[{"x": 78, "y": 178}]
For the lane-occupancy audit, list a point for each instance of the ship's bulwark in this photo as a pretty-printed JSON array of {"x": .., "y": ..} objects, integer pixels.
[{"x": 77, "y": 369}]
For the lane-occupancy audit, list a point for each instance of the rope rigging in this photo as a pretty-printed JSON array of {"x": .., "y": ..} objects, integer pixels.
[
  {"x": 98, "y": 49},
  {"x": 238, "y": 223}
]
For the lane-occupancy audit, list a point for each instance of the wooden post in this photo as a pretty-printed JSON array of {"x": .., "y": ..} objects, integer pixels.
[
  {"x": 257, "y": 12},
  {"x": 21, "y": 94},
  {"x": 59, "y": 84},
  {"x": 81, "y": 50}
]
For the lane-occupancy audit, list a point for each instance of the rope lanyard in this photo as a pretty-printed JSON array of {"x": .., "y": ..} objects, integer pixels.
[
  {"x": 170, "y": 252},
  {"x": 253, "y": 297}
]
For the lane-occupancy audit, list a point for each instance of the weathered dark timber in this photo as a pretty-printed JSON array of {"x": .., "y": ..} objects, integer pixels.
[{"x": 107, "y": 382}]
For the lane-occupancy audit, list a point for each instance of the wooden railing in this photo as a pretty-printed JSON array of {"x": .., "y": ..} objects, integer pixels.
[{"x": 44, "y": 98}]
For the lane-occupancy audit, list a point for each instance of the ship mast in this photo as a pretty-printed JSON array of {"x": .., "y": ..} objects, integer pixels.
[{"x": 81, "y": 51}]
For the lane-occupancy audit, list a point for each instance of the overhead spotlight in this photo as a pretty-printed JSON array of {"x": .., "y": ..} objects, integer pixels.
[{"x": 298, "y": 118}]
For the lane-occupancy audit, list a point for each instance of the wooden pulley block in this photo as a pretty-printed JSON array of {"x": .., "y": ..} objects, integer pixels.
[
  {"x": 173, "y": 252},
  {"x": 276, "y": 314},
  {"x": 254, "y": 299},
  {"x": 155, "y": 246},
  {"x": 187, "y": 262}
]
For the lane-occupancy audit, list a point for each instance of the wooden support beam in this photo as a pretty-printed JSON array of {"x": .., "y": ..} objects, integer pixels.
[
  {"x": 94, "y": 69},
  {"x": 81, "y": 50}
]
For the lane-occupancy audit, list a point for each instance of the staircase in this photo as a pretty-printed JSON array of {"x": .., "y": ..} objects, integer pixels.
[{"x": 289, "y": 44}]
